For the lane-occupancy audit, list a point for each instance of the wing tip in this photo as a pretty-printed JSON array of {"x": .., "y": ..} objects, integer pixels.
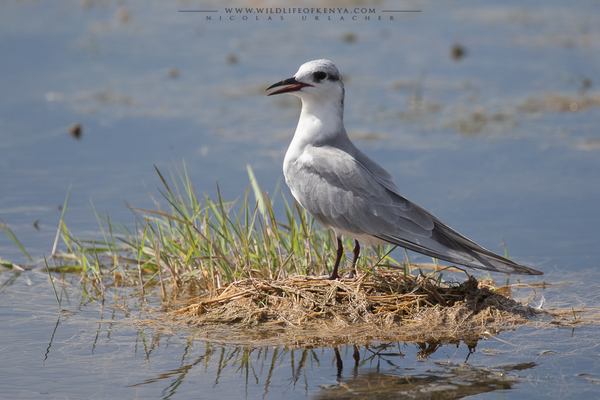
[{"x": 530, "y": 271}]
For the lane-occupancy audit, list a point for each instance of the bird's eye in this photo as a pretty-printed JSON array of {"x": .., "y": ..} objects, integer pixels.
[{"x": 319, "y": 76}]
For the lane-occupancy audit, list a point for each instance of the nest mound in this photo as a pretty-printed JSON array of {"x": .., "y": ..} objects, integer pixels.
[{"x": 386, "y": 306}]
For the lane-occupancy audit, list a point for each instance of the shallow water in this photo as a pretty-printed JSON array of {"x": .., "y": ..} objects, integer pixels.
[
  {"x": 94, "y": 350},
  {"x": 502, "y": 143}
]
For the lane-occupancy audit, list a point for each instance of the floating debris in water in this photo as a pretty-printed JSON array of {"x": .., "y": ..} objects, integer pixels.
[
  {"x": 174, "y": 73},
  {"x": 123, "y": 15},
  {"x": 350, "y": 37},
  {"x": 232, "y": 59},
  {"x": 76, "y": 130},
  {"x": 458, "y": 52},
  {"x": 586, "y": 83}
]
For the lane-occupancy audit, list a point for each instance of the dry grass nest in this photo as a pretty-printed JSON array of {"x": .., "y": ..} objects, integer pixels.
[{"x": 373, "y": 307}]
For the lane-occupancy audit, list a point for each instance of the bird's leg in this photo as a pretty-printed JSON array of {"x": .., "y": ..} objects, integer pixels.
[
  {"x": 355, "y": 259},
  {"x": 340, "y": 251}
]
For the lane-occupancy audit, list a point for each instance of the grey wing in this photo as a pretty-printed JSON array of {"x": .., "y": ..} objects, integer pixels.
[
  {"x": 342, "y": 193},
  {"x": 447, "y": 244}
]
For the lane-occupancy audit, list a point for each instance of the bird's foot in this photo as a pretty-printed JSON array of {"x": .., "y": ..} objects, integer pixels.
[{"x": 350, "y": 275}]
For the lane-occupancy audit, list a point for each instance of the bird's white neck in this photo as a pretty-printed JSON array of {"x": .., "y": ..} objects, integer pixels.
[{"x": 319, "y": 122}]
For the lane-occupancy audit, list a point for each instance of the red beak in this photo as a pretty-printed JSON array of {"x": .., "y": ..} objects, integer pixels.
[{"x": 291, "y": 85}]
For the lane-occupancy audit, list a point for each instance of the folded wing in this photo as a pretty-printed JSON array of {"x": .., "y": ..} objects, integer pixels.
[{"x": 356, "y": 196}]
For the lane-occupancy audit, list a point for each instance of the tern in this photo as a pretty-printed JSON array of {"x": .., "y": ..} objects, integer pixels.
[{"x": 345, "y": 190}]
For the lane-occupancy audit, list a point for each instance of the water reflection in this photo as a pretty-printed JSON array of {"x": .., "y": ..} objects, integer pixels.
[
  {"x": 447, "y": 381},
  {"x": 51, "y": 340},
  {"x": 382, "y": 370},
  {"x": 115, "y": 340}
]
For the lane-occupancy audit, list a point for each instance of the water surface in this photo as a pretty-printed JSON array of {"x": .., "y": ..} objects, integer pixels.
[{"x": 501, "y": 143}]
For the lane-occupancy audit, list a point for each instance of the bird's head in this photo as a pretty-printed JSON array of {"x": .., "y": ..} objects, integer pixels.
[{"x": 316, "y": 81}]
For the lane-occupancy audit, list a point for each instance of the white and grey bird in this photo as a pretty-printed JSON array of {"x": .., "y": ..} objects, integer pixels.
[{"x": 345, "y": 190}]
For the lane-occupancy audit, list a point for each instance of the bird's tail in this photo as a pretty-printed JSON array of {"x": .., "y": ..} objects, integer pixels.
[{"x": 448, "y": 245}]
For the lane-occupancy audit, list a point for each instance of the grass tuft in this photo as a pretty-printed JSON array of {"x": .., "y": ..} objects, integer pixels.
[{"x": 195, "y": 245}]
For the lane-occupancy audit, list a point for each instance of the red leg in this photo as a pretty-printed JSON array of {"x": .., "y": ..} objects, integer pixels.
[
  {"x": 356, "y": 254},
  {"x": 340, "y": 251}
]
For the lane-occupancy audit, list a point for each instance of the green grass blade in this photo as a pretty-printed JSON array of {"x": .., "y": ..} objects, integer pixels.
[
  {"x": 13, "y": 237},
  {"x": 257, "y": 192}
]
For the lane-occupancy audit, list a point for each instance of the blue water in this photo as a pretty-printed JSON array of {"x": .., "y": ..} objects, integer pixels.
[{"x": 528, "y": 174}]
